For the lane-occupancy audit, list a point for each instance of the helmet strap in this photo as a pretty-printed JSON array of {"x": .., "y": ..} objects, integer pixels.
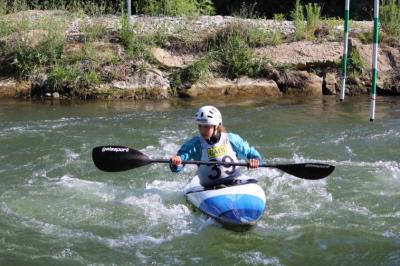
[{"x": 215, "y": 137}]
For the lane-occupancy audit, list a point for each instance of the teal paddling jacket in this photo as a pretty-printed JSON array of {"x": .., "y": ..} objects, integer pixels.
[{"x": 192, "y": 150}]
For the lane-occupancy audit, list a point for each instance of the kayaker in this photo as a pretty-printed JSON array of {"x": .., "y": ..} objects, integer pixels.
[{"x": 214, "y": 144}]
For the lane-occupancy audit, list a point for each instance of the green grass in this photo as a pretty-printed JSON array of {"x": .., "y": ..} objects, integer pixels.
[
  {"x": 17, "y": 5},
  {"x": 313, "y": 16},
  {"x": 355, "y": 63},
  {"x": 175, "y": 7},
  {"x": 198, "y": 71},
  {"x": 26, "y": 59},
  {"x": 206, "y": 7},
  {"x": 89, "y": 7},
  {"x": 297, "y": 15},
  {"x": 233, "y": 52},
  {"x": 3, "y": 8},
  {"x": 333, "y": 22},
  {"x": 5, "y": 27},
  {"x": 71, "y": 80},
  {"x": 63, "y": 78},
  {"x": 156, "y": 38},
  {"x": 276, "y": 38},
  {"x": 305, "y": 22},
  {"x": 257, "y": 36},
  {"x": 247, "y": 11},
  {"x": 390, "y": 17},
  {"x": 8, "y": 26},
  {"x": 96, "y": 30},
  {"x": 133, "y": 47},
  {"x": 279, "y": 17},
  {"x": 365, "y": 37},
  {"x": 139, "y": 46},
  {"x": 88, "y": 53}
]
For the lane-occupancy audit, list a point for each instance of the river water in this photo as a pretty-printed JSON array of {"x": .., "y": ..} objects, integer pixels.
[{"x": 56, "y": 208}]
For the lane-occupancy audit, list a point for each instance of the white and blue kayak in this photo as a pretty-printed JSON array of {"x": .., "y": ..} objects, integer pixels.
[{"x": 237, "y": 206}]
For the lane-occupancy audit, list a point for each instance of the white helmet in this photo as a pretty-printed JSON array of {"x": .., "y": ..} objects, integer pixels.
[{"x": 208, "y": 115}]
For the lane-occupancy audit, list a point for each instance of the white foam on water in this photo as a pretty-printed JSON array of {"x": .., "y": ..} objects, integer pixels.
[
  {"x": 125, "y": 240},
  {"x": 41, "y": 174},
  {"x": 355, "y": 208},
  {"x": 67, "y": 253},
  {"x": 4, "y": 208},
  {"x": 284, "y": 190},
  {"x": 143, "y": 259},
  {"x": 169, "y": 143},
  {"x": 132, "y": 240},
  {"x": 391, "y": 234},
  {"x": 105, "y": 196},
  {"x": 349, "y": 151},
  {"x": 337, "y": 140},
  {"x": 353, "y": 135},
  {"x": 62, "y": 119},
  {"x": 290, "y": 198},
  {"x": 40, "y": 126},
  {"x": 176, "y": 216},
  {"x": 94, "y": 188},
  {"x": 258, "y": 258},
  {"x": 387, "y": 215},
  {"x": 392, "y": 166},
  {"x": 45, "y": 172},
  {"x": 196, "y": 260},
  {"x": 163, "y": 185},
  {"x": 387, "y": 133},
  {"x": 72, "y": 182},
  {"x": 71, "y": 155}
]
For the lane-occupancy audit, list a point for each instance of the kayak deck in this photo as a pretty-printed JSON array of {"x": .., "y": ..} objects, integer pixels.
[{"x": 238, "y": 206}]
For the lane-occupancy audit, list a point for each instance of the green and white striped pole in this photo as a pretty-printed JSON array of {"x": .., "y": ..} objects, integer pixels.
[
  {"x": 129, "y": 7},
  {"x": 374, "y": 60},
  {"x": 345, "y": 49}
]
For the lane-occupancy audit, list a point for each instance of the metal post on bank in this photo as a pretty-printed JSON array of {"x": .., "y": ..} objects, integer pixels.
[
  {"x": 345, "y": 49},
  {"x": 374, "y": 56},
  {"x": 129, "y": 6},
  {"x": 374, "y": 60}
]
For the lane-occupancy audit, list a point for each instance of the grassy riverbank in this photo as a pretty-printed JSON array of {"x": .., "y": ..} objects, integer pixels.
[{"x": 83, "y": 50}]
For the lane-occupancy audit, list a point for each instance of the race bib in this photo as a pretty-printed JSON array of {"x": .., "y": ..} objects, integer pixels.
[{"x": 217, "y": 151}]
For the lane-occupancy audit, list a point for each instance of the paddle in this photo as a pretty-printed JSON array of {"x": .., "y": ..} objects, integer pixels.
[{"x": 120, "y": 158}]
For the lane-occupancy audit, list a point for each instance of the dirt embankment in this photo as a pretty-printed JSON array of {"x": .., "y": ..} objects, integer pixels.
[{"x": 171, "y": 57}]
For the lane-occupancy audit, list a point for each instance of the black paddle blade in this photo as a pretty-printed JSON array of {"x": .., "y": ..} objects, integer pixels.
[
  {"x": 310, "y": 171},
  {"x": 118, "y": 158}
]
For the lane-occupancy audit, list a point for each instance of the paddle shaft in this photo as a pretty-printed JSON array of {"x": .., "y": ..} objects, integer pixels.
[{"x": 213, "y": 163}]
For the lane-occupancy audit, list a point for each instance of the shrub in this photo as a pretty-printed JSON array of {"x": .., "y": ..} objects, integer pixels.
[
  {"x": 257, "y": 36},
  {"x": 199, "y": 70},
  {"x": 95, "y": 30},
  {"x": 26, "y": 59},
  {"x": 247, "y": 11},
  {"x": 297, "y": 16},
  {"x": 355, "y": 63},
  {"x": 313, "y": 12},
  {"x": 175, "y": 7},
  {"x": 390, "y": 17},
  {"x": 276, "y": 37},
  {"x": 232, "y": 50},
  {"x": 72, "y": 80}
]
